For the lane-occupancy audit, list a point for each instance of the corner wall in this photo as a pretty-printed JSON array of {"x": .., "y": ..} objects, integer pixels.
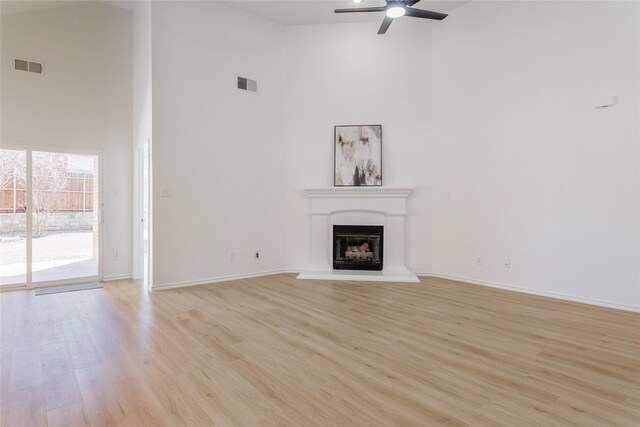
[
  {"x": 342, "y": 74},
  {"x": 527, "y": 169}
]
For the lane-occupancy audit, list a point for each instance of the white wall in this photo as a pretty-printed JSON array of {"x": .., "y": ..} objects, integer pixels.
[
  {"x": 219, "y": 152},
  {"x": 142, "y": 103},
  {"x": 83, "y": 100},
  {"x": 535, "y": 173},
  {"x": 141, "y": 72},
  {"x": 347, "y": 74}
]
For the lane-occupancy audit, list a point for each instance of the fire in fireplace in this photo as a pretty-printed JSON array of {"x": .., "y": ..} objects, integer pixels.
[{"x": 357, "y": 247}]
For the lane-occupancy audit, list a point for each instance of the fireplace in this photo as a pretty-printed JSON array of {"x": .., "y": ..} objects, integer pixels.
[
  {"x": 358, "y": 247},
  {"x": 383, "y": 206}
]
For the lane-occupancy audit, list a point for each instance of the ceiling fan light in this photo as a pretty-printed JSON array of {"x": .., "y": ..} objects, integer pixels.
[
  {"x": 395, "y": 11},
  {"x": 357, "y": 1}
]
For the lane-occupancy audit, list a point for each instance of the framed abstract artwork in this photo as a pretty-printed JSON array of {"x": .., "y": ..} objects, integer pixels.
[{"x": 357, "y": 156}]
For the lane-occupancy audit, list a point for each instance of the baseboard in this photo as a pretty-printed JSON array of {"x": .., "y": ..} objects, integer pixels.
[
  {"x": 421, "y": 274},
  {"x": 534, "y": 292},
  {"x": 117, "y": 277},
  {"x": 216, "y": 280}
]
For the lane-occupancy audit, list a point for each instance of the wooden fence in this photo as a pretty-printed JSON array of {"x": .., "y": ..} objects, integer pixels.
[{"x": 77, "y": 195}]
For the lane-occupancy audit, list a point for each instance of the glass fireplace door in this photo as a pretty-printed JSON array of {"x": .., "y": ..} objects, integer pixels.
[{"x": 358, "y": 247}]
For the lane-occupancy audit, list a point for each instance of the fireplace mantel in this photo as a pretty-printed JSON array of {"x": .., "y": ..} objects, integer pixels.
[
  {"x": 386, "y": 206},
  {"x": 358, "y": 192}
]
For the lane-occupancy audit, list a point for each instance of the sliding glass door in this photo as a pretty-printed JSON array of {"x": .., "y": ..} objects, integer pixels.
[
  {"x": 64, "y": 224},
  {"x": 13, "y": 217},
  {"x": 50, "y": 234}
]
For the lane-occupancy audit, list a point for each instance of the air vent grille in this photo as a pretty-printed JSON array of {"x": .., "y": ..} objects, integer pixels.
[
  {"x": 35, "y": 67},
  {"x": 22, "y": 65},
  {"x": 30, "y": 66},
  {"x": 247, "y": 84}
]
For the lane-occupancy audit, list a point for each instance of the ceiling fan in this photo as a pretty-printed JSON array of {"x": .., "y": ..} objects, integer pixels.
[{"x": 395, "y": 9}]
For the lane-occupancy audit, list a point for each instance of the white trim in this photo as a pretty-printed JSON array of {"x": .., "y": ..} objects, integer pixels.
[
  {"x": 423, "y": 274},
  {"x": 117, "y": 277},
  {"x": 138, "y": 209},
  {"x": 49, "y": 283},
  {"x": 150, "y": 218},
  {"x": 216, "y": 280},
  {"x": 136, "y": 270},
  {"x": 534, "y": 292},
  {"x": 29, "y": 214},
  {"x": 369, "y": 276},
  {"x": 354, "y": 192},
  {"x": 67, "y": 149},
  {"x": 60, "y": 282},
  {"x": 102, "y": 227},
  {"x": 11, "y": 288},
  {"x": 373, "y": 211}
]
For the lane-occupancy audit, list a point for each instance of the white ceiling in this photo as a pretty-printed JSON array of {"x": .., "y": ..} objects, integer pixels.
[
  {"x": 288, "y": 12},
  {"x": 294, "y": 12}
]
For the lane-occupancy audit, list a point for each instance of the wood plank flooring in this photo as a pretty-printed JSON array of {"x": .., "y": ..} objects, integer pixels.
[{"x": 279, "y": 351}]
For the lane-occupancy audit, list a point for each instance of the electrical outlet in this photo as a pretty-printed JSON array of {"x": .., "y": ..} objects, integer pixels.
[
  {"x": 507, "y": 263},
  {"x": 257, "y": 254},
  {"x": 479, "y": 260},
  {"x": 116, "y": 255},
  {"x": 232, "y": 256}
]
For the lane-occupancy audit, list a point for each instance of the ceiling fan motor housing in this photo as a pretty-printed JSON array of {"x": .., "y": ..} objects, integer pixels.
[{"x": 396, "y": 9}]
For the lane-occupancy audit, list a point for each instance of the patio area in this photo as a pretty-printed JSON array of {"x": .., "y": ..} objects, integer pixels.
[{"x": 57, "y": 256}]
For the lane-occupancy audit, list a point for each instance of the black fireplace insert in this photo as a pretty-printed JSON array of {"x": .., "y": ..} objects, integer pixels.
[{"x": 358, "y": 247}]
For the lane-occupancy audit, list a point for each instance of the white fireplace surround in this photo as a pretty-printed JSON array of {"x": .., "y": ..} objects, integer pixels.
[{"x": 386, "y": 206}]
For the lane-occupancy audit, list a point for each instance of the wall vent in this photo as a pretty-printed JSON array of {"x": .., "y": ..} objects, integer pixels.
[
  {"x": 247, "y": 84},
  {"x": 30, "y": 66}
]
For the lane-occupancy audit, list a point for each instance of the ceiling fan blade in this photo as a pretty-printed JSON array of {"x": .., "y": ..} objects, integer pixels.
[
  {"x": 385, "y": 25},
  {"x": 411, "y": 2},
  {"x": 427, "y": 14},
  {"x": 360, "y": 9}
]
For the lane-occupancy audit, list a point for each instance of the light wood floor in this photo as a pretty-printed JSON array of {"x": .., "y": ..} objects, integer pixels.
[{"x": 278, "y": 351}]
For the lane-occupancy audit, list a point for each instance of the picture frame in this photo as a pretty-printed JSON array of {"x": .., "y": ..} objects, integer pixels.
[{"x": 357, "y": 156}]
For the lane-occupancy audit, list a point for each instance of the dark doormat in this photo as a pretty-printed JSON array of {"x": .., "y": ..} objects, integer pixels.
[{"x": 67, "y": 288}]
